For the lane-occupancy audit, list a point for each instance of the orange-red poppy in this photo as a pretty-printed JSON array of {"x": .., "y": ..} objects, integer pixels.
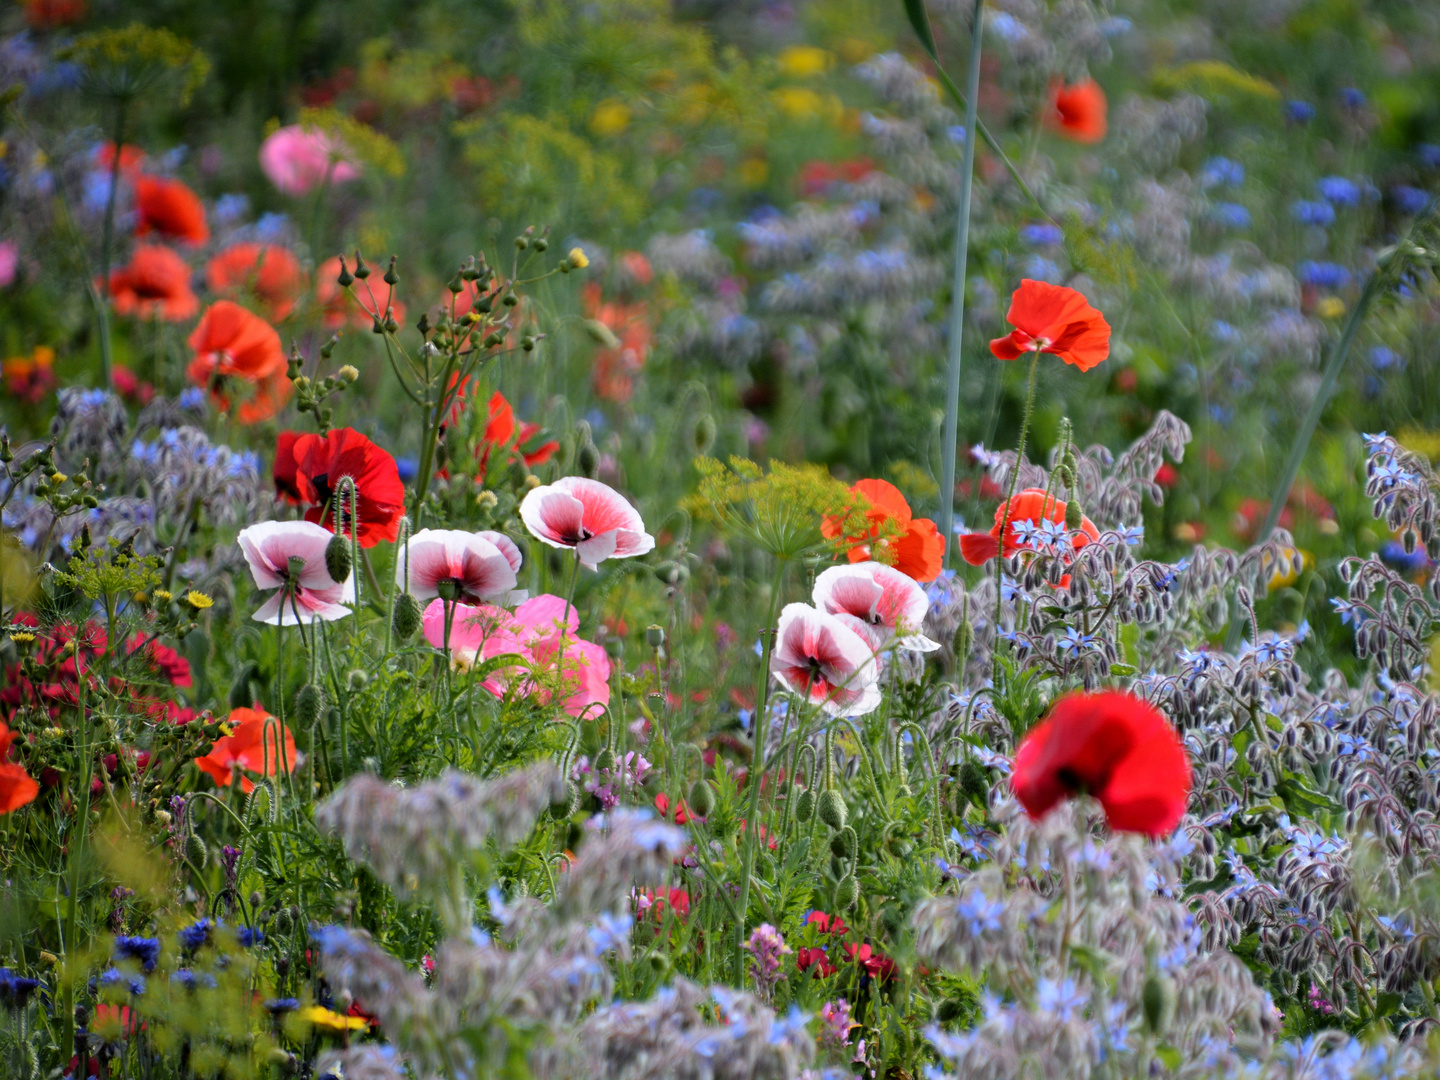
[
  {"x": 131, "y": 158},
  {"x": 358, "y": 310},
  {"x": 30, "y": 378},
  {"x": 1054, "y": 319},
  {"x": 232, "y": 343},
  {"x": 1078, "y": 111},
  {"x": 49, "y": 14},
  {"x": 169, "y": 208},
  {"x": 1032, "y": 505},
  {"x": 16, "y": 785},
  {"x": 613, "y": 375},
  {"x": 270, "y": 272},
  {"x": 912, "y": 545},
  {"x": 154, "y": 284},
  {"x": 258, "y": 744}
]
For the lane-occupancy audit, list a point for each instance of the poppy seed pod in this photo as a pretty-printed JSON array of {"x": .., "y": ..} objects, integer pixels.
[
  {"x": 702, "y": 436},
  {"x": 831, "y": 809},
  {"x": 605, "y": 760},
  {"x": 847, "y": 893},
  {"x": 309, "y": 703},
  {"x": 337, "y": 559},
  {"x": 974, "y": 782},
  {"x": 407, "y": 617},
  {"x": 655, "y": 636},
  {"x": 702, "y": 798}
]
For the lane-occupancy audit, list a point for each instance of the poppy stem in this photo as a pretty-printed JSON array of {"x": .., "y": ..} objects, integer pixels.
[
  {"x": 1005, "y": 515},
  {"x": 957, "y": 291}
]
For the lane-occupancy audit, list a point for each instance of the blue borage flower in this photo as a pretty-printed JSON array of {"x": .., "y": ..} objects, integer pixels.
[
  {"x": 1308, "y": 212},
  {"x": 1220, "y": 171},
  {"x": 144, "y": 950},
  {"x": 1324, "y": 275},
  {"x": 279, "y": 1006}
]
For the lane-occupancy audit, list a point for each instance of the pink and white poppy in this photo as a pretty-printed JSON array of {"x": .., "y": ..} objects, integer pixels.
[
  {"x": 507, "y": 547},
  {"x": 466, "y": 566},
  {"x": 538, "y": 635},
  {"x": 298, "y": 160},
  {"x": 818, "y": 654},
  {"x": 290, "y": 556},
  {"x": 588, "y": 516},
  {"x": 890, "y": 603}
]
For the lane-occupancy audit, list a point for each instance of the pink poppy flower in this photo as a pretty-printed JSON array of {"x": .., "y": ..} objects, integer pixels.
[
  {"x": 290, "y": 556},
  {"x": 892, "y": 604},
  {"x": 539, "y": 635},
  {"x": 465, "y": 565},
  {"x": 588, "y": 516},
  {"x": 818, "y": 653},
  {"x": 298, "y": 160}
]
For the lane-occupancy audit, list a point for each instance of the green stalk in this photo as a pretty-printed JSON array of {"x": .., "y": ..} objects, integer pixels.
[
  {"x": 107, "y": 236},
  {"x": 957, "y": 301},
  {"x": 82, "y": 822},
  {"x": 757, "y": 774},
  {"x": 1005, "y": 517}
]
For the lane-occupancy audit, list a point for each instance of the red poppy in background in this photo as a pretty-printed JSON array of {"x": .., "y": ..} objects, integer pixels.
[
  {"x": 233, "y": 343},
  {"x": 1078, "y": 111},
  {"x": 877, "y": 965},
  {"x": 504, "y": 433},
  {"x": 682, "y": 812},
  {"x": 258, "y": 744},
  {"x": 1054, "y": 319},
  {"x": 49, "y": 14},
  {"x": 1032, "y": 505},
  {"x": 154, "y": 284},
  {"x": 1114, "y": 746},
  {"x": 912, "y": 545},
  {"x": 130, "y": 386},
  {"x": 359, "y": 305},
  {"x": 807, "y": 958},
  {"x": 269, "y": 271},
  {"x": 308, "y": 469},
  {"x": 30, "y": 378},
  {"x": 616, "y": 366},
  {"x": 131, "y": 158},
  {"x": 827, "y": 924},
  {"x": 169, "y": 208},
  {"x": 17, "y": 788}
]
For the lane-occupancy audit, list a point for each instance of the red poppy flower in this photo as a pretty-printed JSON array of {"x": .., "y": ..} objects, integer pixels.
[
  {"x": 270, "y": 272},
  {"x": 17, "y": 788},
  {"x": 155, "y": 284},
  {"x": 233, "y": 343},
  {"x": 682, "y": 813},
  {"x": 818, "y": 959},
  {"x": 48, "y": 14},
  {"x": 1054, "y": 319},
  {"x": 1167, "y": 476},
  {"x": 308, "y": 469},
  {"x": 1031, "y": 504},
  {"x": 1077, "y": 112},
  {"x": 1114, "y": 746},
  {"x": 30, "y": 378},
  {"x": 131, "y": 158},
  {"x": 616, "y": 366},
  {"x": 130, "y": 386},
  {"x": 912, "y": 545},
  {"x": 877, "y": 965},
  {"x": 258, "y": 744},
  {"x": 504, "y": 433},
  {"x": 827, "y": 924},
  {"x": 169, "y": 208},
  {"x": 357, "y": 306}
]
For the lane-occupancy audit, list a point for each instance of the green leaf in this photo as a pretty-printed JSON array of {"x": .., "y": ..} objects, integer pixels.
[
  {"x": 1386, "y": 1004},
  {"x": 1129, "y": 644},
  {"x": 1094, "y": 961},
  {"x": 915, "y": 9},
  {"x": 1300, "y": 799},
  {"x": 1169, "y": 1055},
  {"x": 1123, "y": 670}
]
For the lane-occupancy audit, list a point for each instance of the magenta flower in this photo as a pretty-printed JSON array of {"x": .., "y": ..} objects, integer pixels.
[
  {"x": 818, "y": 654},
  {"x": 290, "y": 556},
  {"x": 536, "y": 636},
  {"x": 835, "y": 1022},
  {"x": 588, "y": 516},
  {"x": 456, "y": 565},
  {"x": 298, "y": 160},
  {"x": 891, "y": 604},
  {"x": 767, "y": 949}
]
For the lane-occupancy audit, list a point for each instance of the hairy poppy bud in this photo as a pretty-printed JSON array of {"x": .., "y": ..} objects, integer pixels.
[
  {"x": 309, "y": 704},
  {"x": 356, "y": 679},
  {"x": 702, "y": 437},
  {"x": 587, "y": 460},
  {"x": 805, "y": 806},
  {"x": 567, "y": 804},
  {"x": 847, "y": 893},
  {"x": 845, "y": 844},
  {"x": 1157, "y": 999},
  {"x": 974, "y": 782},
  {"x": 964, "y": 639},
  {"x": 659, "y": 963},
  {"x": 1073, "y": 515},
  {"x": 407, "y": 617},
  {"x": 337, "y": 558},
  {"x": 702, "y": 798},
  {"x": 196, "y": 851},
  {"x": 670, "y": 572},
  {"x": 605, "y": 760},
  {"x": 831, "y": 808}
]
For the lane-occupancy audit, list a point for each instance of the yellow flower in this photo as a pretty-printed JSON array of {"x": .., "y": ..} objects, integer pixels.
[
  {"x": 1330, "y": 307},
  {"x": 23, "y": 637},
  {"x": 333, "y": 1021},
  {"x": 610, "y": 118},
  {"x": 578, "y": 258},
  {"x": 753, "y": 172},
  {"x": 799, "y": 103},
  {"x": 163, "y": 596},
  {"x": 804, "y": 61},
  {"x": 198, "y": 600}
]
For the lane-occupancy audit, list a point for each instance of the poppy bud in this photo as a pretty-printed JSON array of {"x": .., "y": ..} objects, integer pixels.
[
  {"x": 587, "y": 460},
  {"x": 361, "y": 270},
  {"x": 563, "y": 807},
  {"x": 847, "y": 893},
  {"x": 671, "y": 573},
  {"x": 702, "y": 798},
  {"x": 407, "y": 617},
  {"x": 196, "y": 852},
  {"x": 345, "y": 280},
  {"x": 391, "y": 278},
  {"x": 605, "y": 760},
  {"x": 309, "y": 704},
  {"x": 655, "y": 636},
  {"x": 449, "y": 590},
  {"x": 974, "y": 781},
  {"x": 1073, "y": 515},
  {"x": 845, "y": 844},
  {"x": 601, "y": 334},
  {"x": 1157, "y": 1000},
  {"x": 964, "y": 639},
  {"x": 831, "y": 808},
  {"x": 702, "y": 437},
  {"x": 357, "y": 679},
  {"x": 240, "y": 696},
  {"x": 659, "y": 964},
  {"x": 337, "y": 558},
  {"x": 805, "y": 806}
]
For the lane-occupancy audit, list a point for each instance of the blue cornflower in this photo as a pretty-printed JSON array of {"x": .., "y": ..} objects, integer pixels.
[
  {"x": 1230, "y": 215},
  {"x": 15, "y": 990},
  {"x": 249, "y": 936},
  {"x": 231, "y": 208},
  {"x": 192, "y": 980},
  {"x": 1307, "y": 212},
  {"x": 1323, "y": 275},
  {"x": 1116, "y": 26},
  {"x": 1042, "y": 235},
  {"x": 407, "y": 468},
  {"x": 115, "y": 979},
  {"x": 1410, "y": 200},
  {"x": 276, "y": 1006},
  {"x": 1221, "y": 170},
  {"x": 1221, "y": 330},
  {"x": 1042, "y": 269},
  {"x": 1353, "y": 97},
  {"x": 1299, "y": 112},
  {"x": 146, "y": 950},
  {"x": 195, "y": 935},
  {"x": 1339, "y": 190},
  {"x": 192, "y": 397},
  {"x": 1383, "y": 358}
]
